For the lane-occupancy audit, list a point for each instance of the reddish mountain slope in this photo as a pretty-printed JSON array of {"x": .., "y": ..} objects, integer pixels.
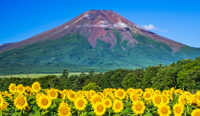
[{"x": 95, "y": 24}]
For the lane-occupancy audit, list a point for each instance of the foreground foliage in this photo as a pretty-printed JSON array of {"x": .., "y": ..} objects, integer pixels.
[{"x": 35, "y": 101}]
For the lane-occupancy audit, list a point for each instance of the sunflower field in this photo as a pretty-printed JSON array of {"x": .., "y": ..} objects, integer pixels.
[{"x": 35, "y": 101}]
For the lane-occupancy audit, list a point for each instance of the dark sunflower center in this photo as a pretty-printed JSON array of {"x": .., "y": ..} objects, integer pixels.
[
  {"x": 164, "y": 110},
  {"x": 13, "y": 88},
  {"x": 120, "y": 94},
  {"x": 53, "y": 93},
  {"x": 64, "y": 111},
  {"x": 99, "y": 108},
  {"x": 147, "y": 95},
  {"x": 139, "y": 107},
  {"x": 197, "y": 114},
  {"x": 178, "y": 110},
  {"x": 157, "y": 100},
  {"x": 44, "y": 101},
  {"x": 20, "y": 102},
  {"x": 36, "y": 87},
  {"x": 117, "y": 105},
  {"x": 107, "y": 103},
  {"x": 80, "y": 103}
]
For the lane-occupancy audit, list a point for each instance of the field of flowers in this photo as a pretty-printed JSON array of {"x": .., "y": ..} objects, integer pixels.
[{"x": 35, "y": 101}]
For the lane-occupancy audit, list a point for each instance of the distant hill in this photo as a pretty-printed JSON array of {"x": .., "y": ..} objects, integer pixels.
[{"x": 97, "y": 39}]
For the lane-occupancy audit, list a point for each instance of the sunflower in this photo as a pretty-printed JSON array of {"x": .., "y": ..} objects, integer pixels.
[
  {"x": 134, "y": 97},
  {"x": 165, "y": 99},
  {"x": 43, "y": 101},
  {"x": 196, "y": 112},
  {"x": 95, "y": 99},
  {"x": 172, "y": 90},
  {"x": 71, "y": 96},
  {"x": 12, "y": 88},
  {"x": 139, "y": 92},
  {"x": 1, "y": 100},
  {"x": 20, "y": 102},
  {"x": 178, "y": 109},
  {"x": 92, "y": 92},
  {"x": 20, "y": 89},
  {"x": 157, "y": 92},
  {"x": 107, "y": 102},
  {"x": 147, "y": 95},
  {"x": 178, "y": 92},
  {"x": 194, "y": 102},
  {"x": 118, "y": 106},
  {"x": 9, "y": 96},
  {"x": 4, "y": 106},
  {"x": 130, "y": 90},
  {"x": 64, "y": 109},
  {"x": 28, "y": 90},
  {"x": 182, "y": 99},
  {"x": 198, "y": 97},
  {"x": 164, "y": 92},
  {"x": 52, "y": 93},
  {"x": 164, "y": 110},
  {"x": 120, "y": 93},
  {"x": 62, "y": 95},
  {"x": 80, "y": 103},
  {"x": 99, "y": 109},
  {"x": 150, "y": 90},
  {"x": 36, "y": 87},
  {"x": 138, "y": 107},
  {"x": 187, "y": 93},
  {"x": 169, "y": 94},
  {"x": 157, "y": 100}
]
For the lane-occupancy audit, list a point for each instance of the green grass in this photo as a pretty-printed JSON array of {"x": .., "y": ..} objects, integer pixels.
[{"x": 37, "y": 75}]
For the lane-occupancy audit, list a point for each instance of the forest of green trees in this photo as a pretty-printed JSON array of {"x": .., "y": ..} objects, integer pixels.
[{"x": 184, "y": 74}]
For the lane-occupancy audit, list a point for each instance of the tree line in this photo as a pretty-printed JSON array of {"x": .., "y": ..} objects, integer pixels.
[{"x": 184, "y": 74}]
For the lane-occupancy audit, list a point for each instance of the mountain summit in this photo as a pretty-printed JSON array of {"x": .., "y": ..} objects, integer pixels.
[{"x": 96, "y": 39}]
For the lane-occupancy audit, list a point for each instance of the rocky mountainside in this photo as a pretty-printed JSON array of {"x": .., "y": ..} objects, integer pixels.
[{"x": 96, "y": 39}]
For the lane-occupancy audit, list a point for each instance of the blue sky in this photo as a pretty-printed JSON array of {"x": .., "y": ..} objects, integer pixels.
[{"x": 178, "y": 20}]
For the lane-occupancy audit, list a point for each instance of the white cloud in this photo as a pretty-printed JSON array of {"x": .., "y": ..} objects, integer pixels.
[{"x": 152, "y": 27}]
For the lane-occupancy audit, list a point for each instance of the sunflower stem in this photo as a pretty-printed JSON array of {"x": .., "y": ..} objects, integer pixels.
[
  {"x": 109, "y": 111},
  {"x": 185, "y": 112},
  {"x": 78, "y": 113}
]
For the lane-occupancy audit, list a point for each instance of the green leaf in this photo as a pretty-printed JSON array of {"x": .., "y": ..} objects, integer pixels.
[
  {"x": 5, "y": 110},
  {"x": 91, "y": 113},
  {"x": 58, "y": 100},
  {"x": 127, "y": 110},
  {"x": 31, "y": 97},
  {"x": 44, "y": 112},
  {"x": 116, "y": 115},
  {"x": 83, "y": 114},
  {"x": 34, "y": 108},
  {"x": 15, "y": 114},
  {"x": 127, "y": 104},
  {"x": 148, "y": 114},
  {"x": 53, "y": 106},
  {"x": 37, "y": 112}
]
